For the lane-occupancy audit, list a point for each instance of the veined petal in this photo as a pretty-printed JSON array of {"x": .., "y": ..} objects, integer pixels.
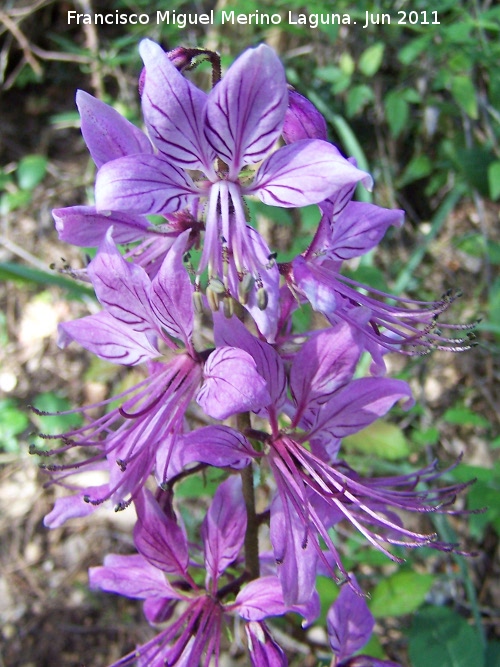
[
  {"x": 324, "y": 363},
  {"x": 302, "y": 173},
  {"x": 357, "y": 405},
  {"x": 261, "y": 598},
  {"x": 232, "y": 384},
  {"x": 294, "y": 551},
  {"x": 143, "y": 184},
  {"x": 121, "y": 287},
  {"x": 131, "y": 576},
  {"x": 158, "y": 537},
  {"x": 83, "y": 226},
  {"x": 359, "y": 228},
  {"x": 173, "y": 110},
  {"x": 269, "y": 364},
  {"x": 224, "y": 527},
  {"x": 264, "y": 651},
  {"x": 108, "y": 338},
  {"x": 349, "y": 622},
  {"x": 219, "y": 446},
  {"x": 172, "y": 293},
  {"x": 245, "y": 111},
  {"x": 107, "y": 133}
]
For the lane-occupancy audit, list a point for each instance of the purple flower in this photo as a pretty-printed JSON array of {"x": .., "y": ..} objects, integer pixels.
[
  {"x": 194, "y": 631},
  {"x": 350, "y": 229},
  {"x": 109, "y": 136},
  {"x": 316, "y": 489},
  {"x": 150, "y": 321},
  {"x": 221, "y": 135}
]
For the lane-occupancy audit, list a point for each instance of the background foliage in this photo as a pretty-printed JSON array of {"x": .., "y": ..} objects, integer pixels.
[{"x": 418, "y": 105}]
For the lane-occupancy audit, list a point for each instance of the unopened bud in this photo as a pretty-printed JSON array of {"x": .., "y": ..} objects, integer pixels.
[{"x": 302, "y": 120}]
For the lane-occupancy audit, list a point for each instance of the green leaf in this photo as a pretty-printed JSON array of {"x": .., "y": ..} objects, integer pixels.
[
  {"x": 413, "y": 49},
  {"x": 357, "y": 98},
  {"x": 397, "y": 112},
  {"x": 459, "y": 414},
  {"x": 371, "y": 59},
  {"x": 492, "y": 658},
  {"x": 494, "y": 179},
  {"x": 13, "y": 421},
  {"x": 419, "y": 167},
  {"x": 464, "y": 94},
  {"x": 401, "y": 593},
  {"x": 439, "y": 636},
  {"x": 31, "y": 171},
  {"x": 379, "y": 439},
  {"x": 55, "y": 422},
  {"x": 27, "y": 274}
]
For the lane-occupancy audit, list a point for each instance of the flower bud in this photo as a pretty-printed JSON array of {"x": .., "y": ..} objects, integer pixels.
[{"x": 302, "y": 120}]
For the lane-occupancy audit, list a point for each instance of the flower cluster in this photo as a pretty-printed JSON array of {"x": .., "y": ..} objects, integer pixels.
[{"x": 192, "y": 294}]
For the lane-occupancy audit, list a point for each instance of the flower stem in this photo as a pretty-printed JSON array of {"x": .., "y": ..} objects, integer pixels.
[{"x": 252, "y": 532}]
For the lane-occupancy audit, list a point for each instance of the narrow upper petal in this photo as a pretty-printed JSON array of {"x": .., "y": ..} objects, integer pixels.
[
  {"x": 349, "y": 622},
  {"x": 245, "y": 111},
  {"x": 358, "y": 405},
  {"x": 359, "y": 228},
  {"x": 107, "y": 133},
  {"x": 131, "y": 576},
  {"x": 224, "y": 527},
  {"x": 143, "y": 184},
  {"x": 83, "y": 226},
  {"x": 121, "y": 287},
  {"x": 173, "y": 110},
  {"x": 303, "y": 173},
  {"x": 158, "y": 537},
  {"x": 109, "y": 339},
  {"x": 172, "y": 293},
  {"x": 219, "y": 446}
]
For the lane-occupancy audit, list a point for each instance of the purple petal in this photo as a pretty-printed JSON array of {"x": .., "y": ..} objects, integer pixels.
[
  {"x": 72, "y": 507},
  {"x": 306, "y": 172},
  {"x": 261, "y": 598},
  {"x": 173, "y": 110},
  {"x": 107, "y": 133},
  {"x": 232, "y": 384},
  {"x": 263, "y": 650},
  {"x": 324, "y": 363},
  {"x": 121, "y": 287},
  {"x": 83, "y": 226},
  {"x": 219, "y": 446},
  {"x": 358, "y": 405},
  {"x": 131, "y": 576},
  {"x": 143, "y": 184},
  {"x": 109, "y": 339},
  {"x": 359, "y": 228},
  {"x": 245, "y": 111},
  {"x": 172, "y": 293},
  {"x": 302, "y": 120},
  {"x": 294, "y": 552},
  {"x": 224, "y": 527},
  {"x": 232, "y": 332},
  {"x": 158, "y": 537},
  {"x": 349, "y": 622}
]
